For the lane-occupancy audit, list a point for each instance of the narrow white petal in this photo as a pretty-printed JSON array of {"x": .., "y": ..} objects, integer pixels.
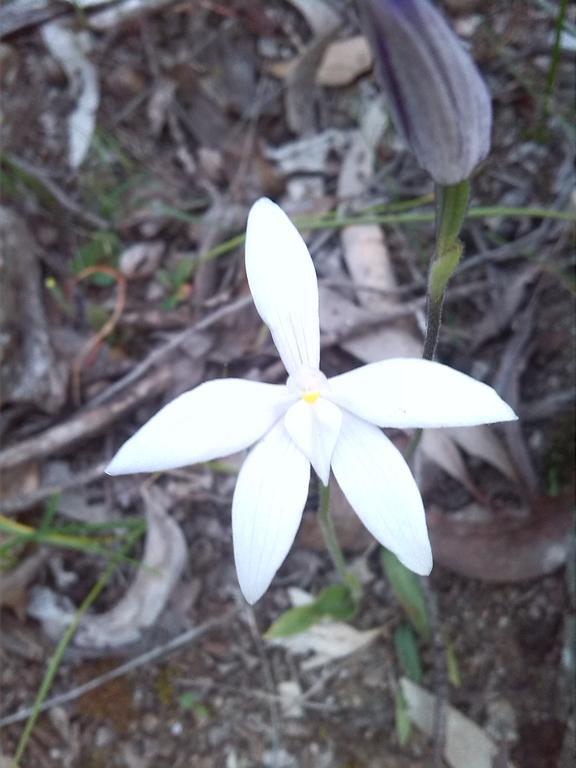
[
  {"x": 380, "y": 488},
  {"x": 213, "y": 420},
  {"x": 314, "y": 427},
  {"x": 417, "y": 393},
  {"x": 283, "y": 284},
  {"x": 267, "y": 508}
]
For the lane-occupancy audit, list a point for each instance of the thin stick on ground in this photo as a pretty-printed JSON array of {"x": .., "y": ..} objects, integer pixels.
[{"x": 123, "y": 669}]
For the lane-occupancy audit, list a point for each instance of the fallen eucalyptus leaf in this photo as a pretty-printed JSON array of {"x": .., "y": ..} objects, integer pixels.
[
  {"x": 344, "y": 61},
  {"x": 482, "y": 442},
  {"x": 164, "y": 558},
  {"x": 506, "y": 546},
  {"x": 466, "y": 745},
  {"x": 162, "y": 564},
  {"x": 67, "y": 47}
]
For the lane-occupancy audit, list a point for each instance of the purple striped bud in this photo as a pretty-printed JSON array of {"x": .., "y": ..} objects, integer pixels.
[{"x": 437, "y": 97}]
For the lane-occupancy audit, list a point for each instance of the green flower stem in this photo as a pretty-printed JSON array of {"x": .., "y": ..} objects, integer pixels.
[
  {"x": 451, "y": 207},
  {"x": 333, "y": 545}
]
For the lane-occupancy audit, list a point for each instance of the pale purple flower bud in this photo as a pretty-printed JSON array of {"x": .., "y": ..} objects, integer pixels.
[{"x": 437, "y": 97}]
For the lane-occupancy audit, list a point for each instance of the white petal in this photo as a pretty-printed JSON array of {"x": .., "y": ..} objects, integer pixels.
[
  {"x": 380, "y": 488},
  {"x": 283, "y": 284},
  {"x": 267, "y": 508},
  {"x": 417, "y": 393},
  {"x": 215, "y": 419},
  {"x": 314, "y": 427}
]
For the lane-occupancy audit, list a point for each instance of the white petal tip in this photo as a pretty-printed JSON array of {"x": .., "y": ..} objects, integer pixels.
[
  {"x": 251, "y": 594},
  {"x": 119, "y": 465},
  {"x": 113, "y": 468},
  {"x": 508, "y": 414},
  {"x": 420, "y": 565},
  {"x": 416, "y": 555}
]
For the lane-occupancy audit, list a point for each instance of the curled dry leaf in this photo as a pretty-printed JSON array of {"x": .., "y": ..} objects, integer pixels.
[
  {"x": 300, "y": 86},
  {"x": 483, "y": 443},
  {"x": 504, "y": 546},
  {"x": 162, "y": 564},
  {"x": 342, "y": 62},
  {"x": 67, "y": 47},
  {"x": 439, "y": 447},
  {"x": 300, "y": 73},
  {"x": 466, "y": 745}
]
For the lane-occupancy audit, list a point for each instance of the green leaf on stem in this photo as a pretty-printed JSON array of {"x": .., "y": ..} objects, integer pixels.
[
  {"x": 442, "y": 270},
  {"x": 406, "y": 646},
  {"x": 408, "y": 591},
  {"x": 333, "y": 602}
]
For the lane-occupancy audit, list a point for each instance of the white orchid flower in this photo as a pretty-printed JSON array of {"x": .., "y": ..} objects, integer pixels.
[{"x": 311, "y": 420}]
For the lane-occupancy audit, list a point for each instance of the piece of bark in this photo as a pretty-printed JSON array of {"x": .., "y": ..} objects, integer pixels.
[{"x": 30, "y": 373}]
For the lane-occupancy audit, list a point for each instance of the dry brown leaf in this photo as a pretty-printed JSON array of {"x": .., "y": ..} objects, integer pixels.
[
  {"x": 344, "y": 61},
  {"x": 505, "y": 546},
  {"x": 68, "y": 47},
  {"x": 301, "y": 84},
  {"x": 438, "y": 447},
  {"x": 164, "y": 558},
  {"x": 466, "y": 745},
  {"x": 483, "y": 443},
  {"x": 366, "y": 255}
]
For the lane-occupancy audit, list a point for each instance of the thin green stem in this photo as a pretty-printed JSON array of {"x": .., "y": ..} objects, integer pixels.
[
  {"x": 56, "y": 660},
  {"x": 330, "y": 535},
  {"x": 433, "y": 323},
  {"x": 555, "y": 59},
  {"x": 335, "y": 221}
]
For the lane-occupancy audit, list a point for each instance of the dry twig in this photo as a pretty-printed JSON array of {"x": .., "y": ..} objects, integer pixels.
[{"x": 84, "y": 424}]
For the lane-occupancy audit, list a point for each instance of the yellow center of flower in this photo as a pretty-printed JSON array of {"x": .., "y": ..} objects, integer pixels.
[{"x": 311, "y": 397}]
